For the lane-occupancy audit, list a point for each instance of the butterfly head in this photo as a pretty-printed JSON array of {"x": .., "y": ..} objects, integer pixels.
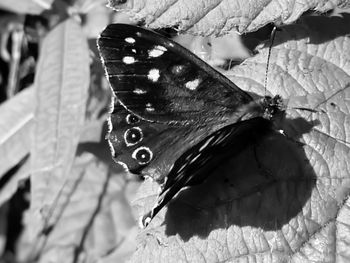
[{"x": 273, "y": 106}]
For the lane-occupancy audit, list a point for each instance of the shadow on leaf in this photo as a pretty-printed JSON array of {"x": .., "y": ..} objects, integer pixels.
[
  {"x": 264, "y": 186},
  {"x": 309, "y": 27}
]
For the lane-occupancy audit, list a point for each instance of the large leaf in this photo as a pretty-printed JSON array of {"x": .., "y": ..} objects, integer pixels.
[
  {"x": 61, "y": 84},
  {"x": 279, "y": 200},
  {"x": 207, "y": 17}
]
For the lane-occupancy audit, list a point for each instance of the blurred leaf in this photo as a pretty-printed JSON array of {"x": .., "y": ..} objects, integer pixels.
[
  {"x": 11, "y": 186},
  {"x": 9, "y": 23},
  {"x": 86, "y": 6},
  {"x": 33, "y": 7},
  {"x": 61, "y": 83},
  {"x": 3, "y": 227},
  {"x": 94, "y": 217},
  {"x": 16, "y": 131},
  {"x": 16, "y": 116},
  {"x": 285, "y": 202},
  {"x": 96, "y": 21},
  {"x": 92, "y": 131},
  {"x": 207, "y": 17}
]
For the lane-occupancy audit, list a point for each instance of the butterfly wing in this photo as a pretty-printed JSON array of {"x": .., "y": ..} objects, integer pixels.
[
  {"x": 159, "y": 80},
  {"x": 148, "y": 147},
  {"x": 196, "y": 164},
  {"x": 176, "y": 98}
]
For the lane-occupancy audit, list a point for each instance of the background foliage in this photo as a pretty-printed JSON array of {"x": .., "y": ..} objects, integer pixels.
[{"x": 63, "y": 198}]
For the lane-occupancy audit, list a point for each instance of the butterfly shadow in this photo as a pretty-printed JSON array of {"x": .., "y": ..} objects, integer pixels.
[{"x": 264, "y": 186}]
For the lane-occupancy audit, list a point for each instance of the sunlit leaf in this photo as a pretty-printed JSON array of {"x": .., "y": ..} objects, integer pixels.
[
  {"x": 279, "y": 200},
  {"x": 207, "y": 17}
]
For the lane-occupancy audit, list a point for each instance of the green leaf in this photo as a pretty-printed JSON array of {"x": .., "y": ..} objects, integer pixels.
[
  {"x": 277, "y": 201},
  {"x": 16, "y": 117},
  {"x": 26, "y": 6},
  {"x": 93, "y": 215},
  {"x": 61, "y": 84},
  {"x": 207, "y": 17}
]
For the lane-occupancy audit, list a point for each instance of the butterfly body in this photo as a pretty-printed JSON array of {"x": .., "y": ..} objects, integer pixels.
[{"x": 174, "y": 117}]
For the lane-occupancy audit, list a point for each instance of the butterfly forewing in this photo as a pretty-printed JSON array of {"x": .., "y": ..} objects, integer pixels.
[
  {"x": 177, "y": 98},
  {"x": 159, "y": 80}
]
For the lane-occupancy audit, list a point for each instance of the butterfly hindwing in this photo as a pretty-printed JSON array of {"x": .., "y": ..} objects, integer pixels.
[
  {"x": 148, "y": 147},
  {"x": 196, "y": 164}
]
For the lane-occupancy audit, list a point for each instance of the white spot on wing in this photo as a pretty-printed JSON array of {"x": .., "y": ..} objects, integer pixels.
[
  {"x": 128, "y": 60},
  {"x": 281, "y": 132},
  {"x": 153, "y": 75},
  {"x": 142, "y": 148},
  {"x": 129, "y": 143},
  {"x": 161, "y": 48},
  {"x": 139, "y": 91},
  {"x": 221, "y": 137},
  {"x": 182, "y": 168},
  {"x": 195, "y": 158},
  {"x": 156, "y": 51},
  {"x": 178, "y": 69},
  {"x": 130, "y": 40},
  {"x": 192, "y": 85},
  {"x": 206, "y": 144},
  {"x": 129, "y": 119},
  {"x": 133, "y": 50},
  {"x": 149, "y": 107}
]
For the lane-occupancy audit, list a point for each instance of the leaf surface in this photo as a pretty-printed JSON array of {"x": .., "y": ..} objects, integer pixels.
[
  {"x": 207, "y": 17},
  {"x": 94, "y": 218},
  {"x": 16, "y": 116},
  {"x": 279, "y": 200},
  {"x": 61, "y": 83},
  {"x": 26, "y": 6}
]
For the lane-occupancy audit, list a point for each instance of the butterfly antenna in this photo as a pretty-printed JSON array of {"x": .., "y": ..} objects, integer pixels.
[{"x": 272, "y": 38}]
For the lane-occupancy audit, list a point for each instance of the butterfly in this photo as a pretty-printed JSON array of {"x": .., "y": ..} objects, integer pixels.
[{"x": 173, "y": 117}]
